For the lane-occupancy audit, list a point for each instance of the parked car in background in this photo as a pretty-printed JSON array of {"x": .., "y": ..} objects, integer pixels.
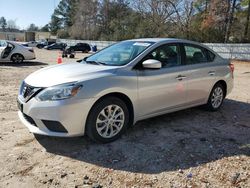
[
  {"x": 82, "y": 47},
  {"x": 44, "y": 43},
  {"x": 11, "y": 51},
  {"x": 56, "y": 46},
  {"x": 129, "y": 81},
  {"x": 30, "y": 44}
]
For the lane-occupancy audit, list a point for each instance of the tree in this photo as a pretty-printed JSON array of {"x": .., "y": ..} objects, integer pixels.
[
  {"x": 247, "y": 22},
  {"x": 3, "y": 23},
  {"x": 116, "y": 20},
  {"x": 55, "y": 24},
  {"x": 32, "y": 27},
  {"x": 45, "y": 28},
  {"x": 12, "y": 26},
  {"x": 66, "y": 11},
  {"x": 230, "y": 18},
  {"x": 157, "y": 14},
  {"x": 86, "y": 20},
  {"x": 63, "y": 17}
]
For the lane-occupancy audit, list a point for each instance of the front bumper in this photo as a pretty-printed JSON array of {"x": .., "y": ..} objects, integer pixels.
[{"x": 71, "y": 114}]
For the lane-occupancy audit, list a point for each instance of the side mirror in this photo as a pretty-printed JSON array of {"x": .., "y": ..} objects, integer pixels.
[{"x": 151, "y": 64}]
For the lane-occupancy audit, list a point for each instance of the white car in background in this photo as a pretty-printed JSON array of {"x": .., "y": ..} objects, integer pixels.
[{"x": 11, "y": 51}]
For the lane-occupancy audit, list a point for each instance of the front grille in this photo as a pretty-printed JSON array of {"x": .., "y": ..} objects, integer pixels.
[
  {"x": 29, "y": 119},
  {"x": 27, "y": 91}
]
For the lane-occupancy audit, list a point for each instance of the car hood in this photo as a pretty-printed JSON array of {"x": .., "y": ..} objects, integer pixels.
[{"x": 65, "y": 73}]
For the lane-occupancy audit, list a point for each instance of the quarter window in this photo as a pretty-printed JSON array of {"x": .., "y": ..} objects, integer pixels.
[
  {"x": 195, "y": 55},
  {"x": 168, "y": 55}
]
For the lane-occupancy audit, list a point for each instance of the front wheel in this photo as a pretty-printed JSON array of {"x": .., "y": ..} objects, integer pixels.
[
  {"x": 216, "y": 98},
  {"x": 17, "y": 58},
  {"x": 107, "y": 120}
]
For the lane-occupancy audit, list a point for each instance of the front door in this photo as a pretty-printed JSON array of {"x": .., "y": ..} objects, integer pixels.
[{"x": 162, "y": 89}]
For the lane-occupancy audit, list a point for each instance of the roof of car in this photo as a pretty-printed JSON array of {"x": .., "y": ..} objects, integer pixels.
[{"x": 156, "y": 40}]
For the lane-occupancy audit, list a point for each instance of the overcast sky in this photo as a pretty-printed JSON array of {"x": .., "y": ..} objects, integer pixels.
[{"x": 26, "y": 12}]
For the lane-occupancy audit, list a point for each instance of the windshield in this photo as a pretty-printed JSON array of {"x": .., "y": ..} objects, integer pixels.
[{"x": 119, "y": 54}]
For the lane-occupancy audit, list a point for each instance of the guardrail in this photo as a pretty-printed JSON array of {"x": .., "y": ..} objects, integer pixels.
[{"x": 228, "y": 51}]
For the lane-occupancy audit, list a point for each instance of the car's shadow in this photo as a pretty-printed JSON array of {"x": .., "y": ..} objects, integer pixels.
[
  {"x": 174, "y": 141},
  {"x": 25, "y": 63}
]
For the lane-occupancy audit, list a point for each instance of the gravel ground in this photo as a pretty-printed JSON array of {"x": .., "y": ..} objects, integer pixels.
[{"x": 190, "y": 148}]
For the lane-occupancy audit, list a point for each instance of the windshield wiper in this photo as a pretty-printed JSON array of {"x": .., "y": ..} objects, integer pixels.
[{"x": 95, "y": 63}]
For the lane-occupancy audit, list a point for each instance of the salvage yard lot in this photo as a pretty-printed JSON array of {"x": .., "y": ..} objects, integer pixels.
[{"x": 190, "y": 148}]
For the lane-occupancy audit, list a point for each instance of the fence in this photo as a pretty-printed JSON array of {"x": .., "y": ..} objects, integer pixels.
[
  {"x": 228, "y": 51},
  {"x": 231, "y": 51}
]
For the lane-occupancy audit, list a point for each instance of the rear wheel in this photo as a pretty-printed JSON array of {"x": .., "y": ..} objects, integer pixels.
[
  {"x": 17, "y": 58},
  {"x": 107, "y": 120},
  {"x": 216, "y": 97}
]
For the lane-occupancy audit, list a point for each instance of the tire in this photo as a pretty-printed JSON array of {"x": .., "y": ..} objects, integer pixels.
[
  {"x": 17, "y": 58},
  {"x": 99, "y": 117},
  {"x": 216, "y": 98},
  {"x": 39, "y": 46}
]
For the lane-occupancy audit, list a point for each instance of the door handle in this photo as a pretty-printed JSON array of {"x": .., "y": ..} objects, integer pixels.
[
  {"x": 180, "y": 77},
  {"x": 211, "y": 73}
]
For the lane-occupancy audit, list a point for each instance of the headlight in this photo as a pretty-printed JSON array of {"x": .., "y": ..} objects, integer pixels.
[{"x": 58, "y": 92}]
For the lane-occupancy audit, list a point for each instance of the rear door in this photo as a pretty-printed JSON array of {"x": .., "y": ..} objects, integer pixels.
[{"x": 200, "y": 73}]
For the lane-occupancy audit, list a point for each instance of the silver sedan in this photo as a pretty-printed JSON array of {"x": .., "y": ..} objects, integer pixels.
[
  {"x": 12, "y": 51},
  {"x": 107, "y": 92}
]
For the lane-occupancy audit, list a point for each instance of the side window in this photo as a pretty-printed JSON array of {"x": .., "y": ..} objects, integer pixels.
[
  {"x": 211, "y": 55},
  {"x": 195, "y": 55},
  {"x": 169, "y": 55}
]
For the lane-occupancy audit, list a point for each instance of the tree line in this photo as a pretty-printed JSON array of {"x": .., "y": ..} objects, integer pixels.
[
  {"x": 199, "y": 20},
  {"x": 11, "y": 26}
]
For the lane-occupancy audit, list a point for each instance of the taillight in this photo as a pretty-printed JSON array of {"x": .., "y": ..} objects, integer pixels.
[{"x": 231, "y": 66}]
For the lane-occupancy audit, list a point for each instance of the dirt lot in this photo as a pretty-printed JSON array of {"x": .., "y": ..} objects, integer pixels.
[{"x": 190, "y": 148}]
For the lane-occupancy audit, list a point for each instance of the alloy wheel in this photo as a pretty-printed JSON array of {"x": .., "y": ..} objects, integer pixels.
[
  {"x": 17, "y": 58},
  {"x": 217, "y": 97},
  {"x": 110, "y": 121}
]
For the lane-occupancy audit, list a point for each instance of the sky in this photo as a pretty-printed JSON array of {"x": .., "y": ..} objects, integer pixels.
[{"x": 25, "y": 12}]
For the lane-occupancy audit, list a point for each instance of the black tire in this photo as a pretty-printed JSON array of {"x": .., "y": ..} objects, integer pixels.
[
  {"x": 17, "y": 58},
  {"x": 210, "y": 103},
  {"x": 91, "y": 124},
  {"x": 39, "y": 46}
]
